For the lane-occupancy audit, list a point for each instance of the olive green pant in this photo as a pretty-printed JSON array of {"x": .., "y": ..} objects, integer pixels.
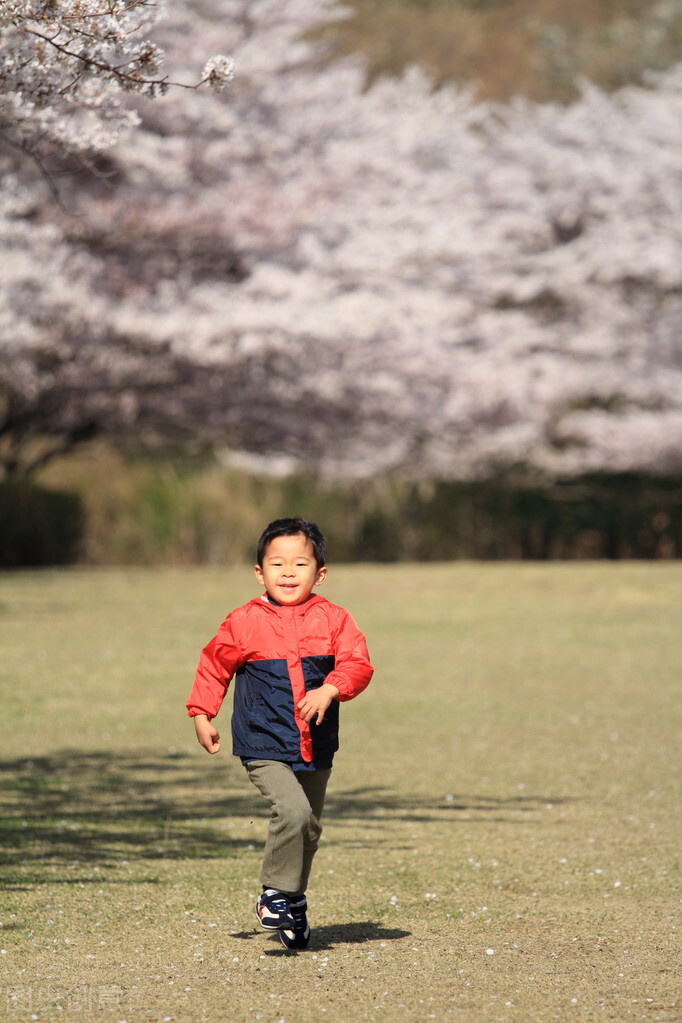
[{"x": 296, "y": 801}]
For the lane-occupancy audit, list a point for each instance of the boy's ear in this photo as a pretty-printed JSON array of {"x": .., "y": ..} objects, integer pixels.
[
  {"x": 321, "y": 575},
  {"x": 259, "y": 574}
]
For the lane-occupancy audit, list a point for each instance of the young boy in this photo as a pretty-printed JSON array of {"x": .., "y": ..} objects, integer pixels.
[{"x": 295, "y": 657}]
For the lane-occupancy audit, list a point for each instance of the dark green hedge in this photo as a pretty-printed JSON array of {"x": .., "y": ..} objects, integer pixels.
[
  {"x": 620, "y": 516},
  {"x": 38, "y": 526},
  {"x": 624, "y": 516}
]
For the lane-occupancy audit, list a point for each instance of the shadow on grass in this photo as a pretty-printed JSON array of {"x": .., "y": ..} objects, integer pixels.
[
  {"x": 324, "y": 938},
  {"x": 379, "y": 804},
  {"x": 78, "y": 808}
]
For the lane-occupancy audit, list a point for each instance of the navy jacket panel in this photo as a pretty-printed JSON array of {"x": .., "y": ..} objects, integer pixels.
[
  {"x": 316, "y": 669},
  {"x": 263, "y": 720}
]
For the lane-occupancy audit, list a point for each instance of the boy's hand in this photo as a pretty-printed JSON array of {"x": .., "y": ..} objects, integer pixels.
[
  {"x": 316, "y": 702},
  {"x": 207, "y": 733}
]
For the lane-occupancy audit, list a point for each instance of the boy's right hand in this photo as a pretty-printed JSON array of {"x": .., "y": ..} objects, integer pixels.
[{"x": 207, "y": 733}]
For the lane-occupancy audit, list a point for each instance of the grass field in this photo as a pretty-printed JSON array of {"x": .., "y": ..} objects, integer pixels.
[{"x": 502, "y": 837}]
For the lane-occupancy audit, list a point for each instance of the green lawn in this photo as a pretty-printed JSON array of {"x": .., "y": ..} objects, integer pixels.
[{"x": 502, "y": 837}]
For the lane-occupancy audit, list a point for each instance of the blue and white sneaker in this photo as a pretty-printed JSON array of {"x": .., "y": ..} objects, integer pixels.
[
  {"x": 273, "y": 910},
  {"x": 297, "y": 936}
]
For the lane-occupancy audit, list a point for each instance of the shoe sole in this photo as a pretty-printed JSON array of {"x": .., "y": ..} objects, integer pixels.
[{"x": 298, "y": 939}]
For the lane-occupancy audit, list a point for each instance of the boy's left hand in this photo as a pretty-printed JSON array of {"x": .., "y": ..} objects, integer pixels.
[{"x": 316, "y": 702}]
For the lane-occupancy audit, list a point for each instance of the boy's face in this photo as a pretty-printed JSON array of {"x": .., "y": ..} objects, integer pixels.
[{"x": 290, "y": 570}]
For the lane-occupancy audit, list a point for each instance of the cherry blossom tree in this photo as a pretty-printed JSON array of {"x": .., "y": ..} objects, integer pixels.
[
  {"x": 65, "y": 67},
  {"x": 64, "y": 71},
  {"x": 316, "y": 275}
]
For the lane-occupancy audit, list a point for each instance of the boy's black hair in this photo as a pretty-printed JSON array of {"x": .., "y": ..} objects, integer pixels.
[{"x": 290, "y": 527}]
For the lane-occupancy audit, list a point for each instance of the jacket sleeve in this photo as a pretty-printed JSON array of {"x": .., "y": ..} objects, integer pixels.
[
  {"x": 217, "y": 664},
  {"x": 352, "y": 668}
]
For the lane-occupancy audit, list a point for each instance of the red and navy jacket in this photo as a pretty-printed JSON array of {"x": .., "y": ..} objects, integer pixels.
[{"x": 276, "y": 654}]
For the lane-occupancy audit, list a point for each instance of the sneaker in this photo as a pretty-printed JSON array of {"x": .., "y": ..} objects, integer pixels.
[
  {"x": 272, "y": 910},
  {"x": 297, "y": 936}
]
